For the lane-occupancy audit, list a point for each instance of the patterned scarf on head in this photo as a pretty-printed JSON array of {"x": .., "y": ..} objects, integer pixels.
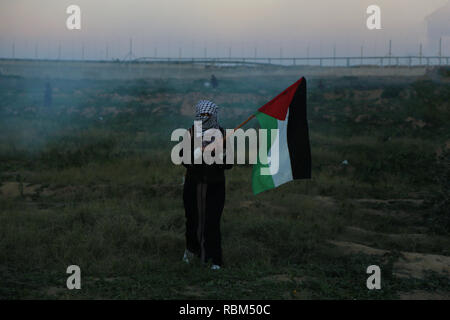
[{"x": 205, "y": 106}]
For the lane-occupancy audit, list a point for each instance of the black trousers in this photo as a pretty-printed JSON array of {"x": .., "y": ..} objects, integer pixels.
[{"x": 203, "y": 204}]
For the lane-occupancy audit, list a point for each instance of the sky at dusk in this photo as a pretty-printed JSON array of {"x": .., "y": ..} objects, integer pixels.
[{"x": 192, "y": 28}]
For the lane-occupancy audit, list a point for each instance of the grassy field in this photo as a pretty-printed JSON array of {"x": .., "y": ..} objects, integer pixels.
[{"x": 89, "y": 181}]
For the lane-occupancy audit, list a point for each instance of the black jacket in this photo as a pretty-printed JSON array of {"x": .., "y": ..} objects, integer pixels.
[{"x": 207, "y": 173}]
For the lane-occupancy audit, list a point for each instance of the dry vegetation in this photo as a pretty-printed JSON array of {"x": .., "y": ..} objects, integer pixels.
[{"x": 89, "y": 181}]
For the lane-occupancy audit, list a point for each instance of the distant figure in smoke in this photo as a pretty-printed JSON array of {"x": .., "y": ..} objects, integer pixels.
[
  {"x": 214, "y": 81},
  {"x": 204, "y": 195},
  {"x": 321, "y": 86},
  {"x": 48, "y": 95}
]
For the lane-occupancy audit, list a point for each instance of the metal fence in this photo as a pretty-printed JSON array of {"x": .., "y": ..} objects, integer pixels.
[{"x": 379, "y": 61}]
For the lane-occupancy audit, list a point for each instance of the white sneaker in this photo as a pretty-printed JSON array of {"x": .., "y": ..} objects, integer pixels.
[
  {"x": 215, "y": 267},
  {"x": 187, "y": 257}
]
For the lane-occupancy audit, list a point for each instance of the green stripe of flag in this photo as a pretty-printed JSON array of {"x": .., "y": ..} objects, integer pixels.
[{"x": 262, "y": 182}]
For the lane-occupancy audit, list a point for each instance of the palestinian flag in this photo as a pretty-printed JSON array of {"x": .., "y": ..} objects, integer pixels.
[{"x": 287, "y": 113}]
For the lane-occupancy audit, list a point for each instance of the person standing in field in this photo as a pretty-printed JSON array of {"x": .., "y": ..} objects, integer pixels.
[
  {"x": 48, "y": 95},
  {"x": 204, "y": 195},
  {"x": 214, "y": 81}
]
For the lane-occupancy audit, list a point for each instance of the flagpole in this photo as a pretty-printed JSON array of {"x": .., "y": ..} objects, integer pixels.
[
  {"x": 241, "y": 125},
  {"x": 234, "y": 130}
]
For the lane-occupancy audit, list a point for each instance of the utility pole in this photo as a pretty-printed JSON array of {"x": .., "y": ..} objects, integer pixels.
[
  {"x": 307, "y": 54},
  {"x": 217, "y": 49},
  {"x": 131, "y": 46},
  {"x": 168, "y": 49},
  {"x": 440, "y": 50},
  {"x": 334, "y": 55},
  {"x": 390, "y": 51},
  {"x": 420, "y": 54},
  {"x": 362, "y": 54},
  {"x": 130, "y": 54}
]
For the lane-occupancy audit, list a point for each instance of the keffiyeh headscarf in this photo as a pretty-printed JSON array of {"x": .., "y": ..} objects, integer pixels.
[{"x": 205, "y": 106}]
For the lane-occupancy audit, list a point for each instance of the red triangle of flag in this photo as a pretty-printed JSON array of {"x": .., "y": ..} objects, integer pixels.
[{"x": 278, "y": 107}]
